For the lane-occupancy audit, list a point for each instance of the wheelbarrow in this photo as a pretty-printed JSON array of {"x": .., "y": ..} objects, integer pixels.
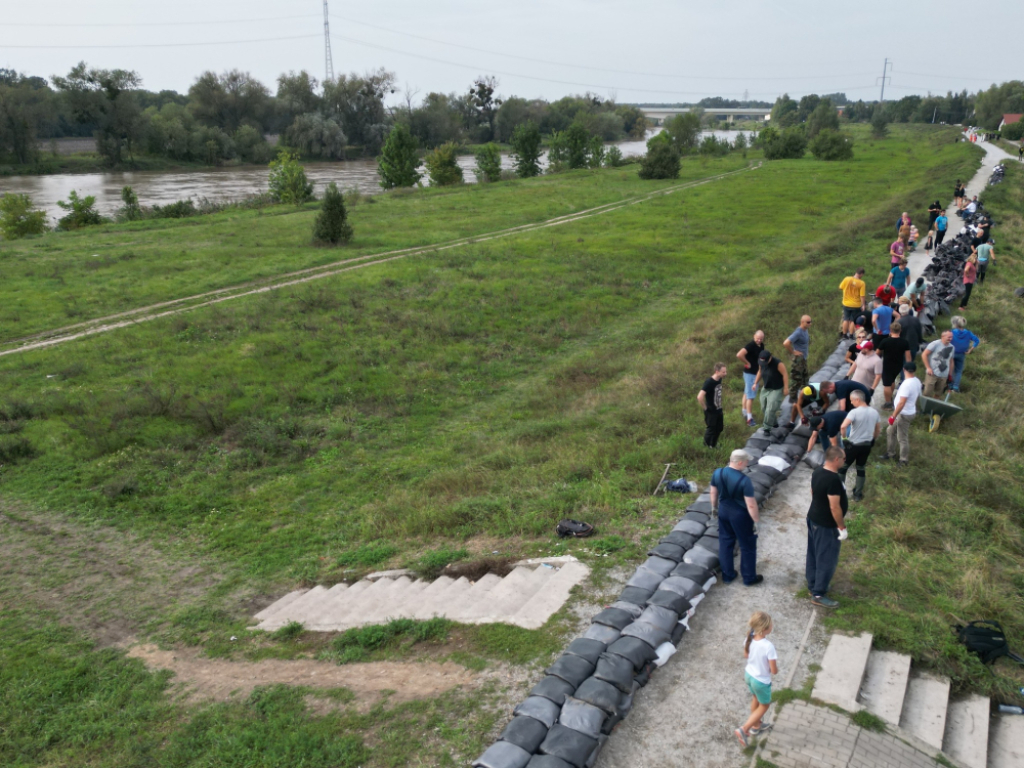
[{"x": 937, "y": 409}]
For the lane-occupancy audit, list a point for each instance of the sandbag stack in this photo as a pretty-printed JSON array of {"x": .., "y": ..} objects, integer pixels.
[
  {"x": 946, "y": 276},
  {"x": 998, "y": 174}
]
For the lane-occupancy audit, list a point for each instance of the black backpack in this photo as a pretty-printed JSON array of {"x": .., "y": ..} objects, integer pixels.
[
  {"x": 985, "y": 638},
  {"x": 574, "y": 528}
]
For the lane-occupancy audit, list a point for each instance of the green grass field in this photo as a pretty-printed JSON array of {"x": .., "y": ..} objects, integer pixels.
[{"x": 451, "y": 404}]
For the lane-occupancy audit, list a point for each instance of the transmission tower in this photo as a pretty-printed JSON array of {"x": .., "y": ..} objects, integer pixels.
[{"x": 328, "y": 62}]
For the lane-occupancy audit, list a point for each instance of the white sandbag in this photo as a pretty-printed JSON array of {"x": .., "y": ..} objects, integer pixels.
[{"x": 665, "y": 652}]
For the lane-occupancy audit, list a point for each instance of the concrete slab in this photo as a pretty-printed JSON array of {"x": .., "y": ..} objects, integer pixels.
[
  {"x": 842, "y": 671},
  {"x": 392, "y": 574},
  {"x": 924, "y": 708},
  {"x": 885, "y": 685},
  {"x": 425, "y": 603},
  {"x": 966, "y": 737},
  {"x": 507, "y": 597},
  {"x": 403, "y": 605},
  {"x": 450, "y": 597},
  {"x": 288, "y": 599},
  {"x": 540, "y": 607},
  {"x": 282, "y": 617},
  {"x": 359, "y": 603},
  {"x": 1006, "y": 742},
  {"x": 474, "y": 603},
  {"x": 558, "y": 560},
  {"x": 382, "y": 607}
]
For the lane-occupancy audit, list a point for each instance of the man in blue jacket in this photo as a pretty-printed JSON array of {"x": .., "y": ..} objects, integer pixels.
[{"x": 964, "y": 342}]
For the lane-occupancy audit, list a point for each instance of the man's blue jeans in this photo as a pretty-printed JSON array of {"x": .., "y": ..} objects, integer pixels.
[
  {"x": 822, "y": 557},
  {"x": 734, "y": 526},
  {"x": 959, "y": 358}
]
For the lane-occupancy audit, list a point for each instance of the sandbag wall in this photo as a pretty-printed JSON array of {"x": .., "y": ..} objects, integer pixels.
[
  {"x": 586, "y": 693},
  {"x": 946, "y": 276}
]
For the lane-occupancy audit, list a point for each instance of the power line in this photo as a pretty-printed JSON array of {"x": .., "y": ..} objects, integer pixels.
[
  {"x": 328, "y": 60},
  {"x": 169, "y": 45},
  {"x": 156, "y": 23}
]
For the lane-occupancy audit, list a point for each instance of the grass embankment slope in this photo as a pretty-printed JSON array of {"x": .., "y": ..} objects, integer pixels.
[{"x": 468, "y": 398}]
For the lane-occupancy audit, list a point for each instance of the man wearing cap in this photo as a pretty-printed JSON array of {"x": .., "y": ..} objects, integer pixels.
[
  {"x": 867, "y": 368},
  {"x": 897, "y": 436},
  {"x": 798, "y": 344},
  {"x": 732, "y": 494},
  {"x": 710, "y": 400},
  {"x": 860, "y": 430},
  {"x": 843, "y": 390},
  {"x": 773, "y": 378},
  {"x": 813, "y": 393},
  {"x": 826, "y": 427}
]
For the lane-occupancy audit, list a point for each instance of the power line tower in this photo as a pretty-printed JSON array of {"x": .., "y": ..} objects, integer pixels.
[
  {"x": 328, "y": 62},
  {"x": 886, "y": 68}
]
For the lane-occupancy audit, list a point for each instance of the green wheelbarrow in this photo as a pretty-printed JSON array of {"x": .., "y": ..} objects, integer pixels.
[{"x": 936, "y": 409}]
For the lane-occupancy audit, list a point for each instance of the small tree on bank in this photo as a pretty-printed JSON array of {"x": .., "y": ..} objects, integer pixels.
[
  {"x": 574, "y": 148},
  {"x": 17, "y": 219},
  {"x": 287, "y": 180},
  {"x": 81, "y": 212},
  {"x": 443, "y": 165},
  {"x": 879, "y": 124},
  {"x": 331, "y": 226},
  {"x": 790, "y": 144},
  {"x": 832, "y": 145},
  {"x": 662, "y": 160},
  {"x": 399, "y": 159},
  {"x": 526, "y": 149},
  {"x": 488, "y": 163}
]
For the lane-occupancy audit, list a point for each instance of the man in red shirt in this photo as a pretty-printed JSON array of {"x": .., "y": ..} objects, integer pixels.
[{"x": 886, "y": 294}]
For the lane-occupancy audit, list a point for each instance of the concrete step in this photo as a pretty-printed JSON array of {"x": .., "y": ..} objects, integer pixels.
[
  {"x": 842, "y": 671},
  {"x": 426, "y": 602},
  {"x": 366, "y": 599},
  {"x": 448, "y": 599},
  {"x": 1006, "y": 742},
  {"x": 311, "y": 609},
  {"x": 550, "y": 597},
  {"x": 288, "y": 599},
  {"x": 966, "y": 736},
  {"x": 284, "y": 616},
  {"x": 885, "y": 685},
  {"x": 403, "y": 604},
  {"x": 924, "y": 708},
  {"x": 517, "y": 588},
  {"x": 334, "y": 609},
  {"x": 381, "y": 609},
  {"x": 474, "y": 602}
]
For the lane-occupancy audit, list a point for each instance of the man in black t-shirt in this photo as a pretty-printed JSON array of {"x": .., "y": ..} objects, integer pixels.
[
  {"x": 826, "y": 526},
  {"x": 710, "y": 399},
  {"x": 895, "y": 351},
  {"x": 749, "y": 355}
]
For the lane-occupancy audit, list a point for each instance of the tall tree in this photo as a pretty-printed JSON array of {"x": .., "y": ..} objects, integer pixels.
[
  {"x": 229, "y": 100},
  {"x": 485, "y": 104},
  {"x": 25, "y": 102},
  {"x": 356, "y": 103},
  {"x": 106, "y": 97},
  {"x": 296, "y": 95},
  {"x": 785, "y": 113}
]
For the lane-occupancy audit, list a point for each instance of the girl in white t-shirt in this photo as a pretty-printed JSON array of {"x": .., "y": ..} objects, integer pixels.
[{"x": 762, "y": 663}]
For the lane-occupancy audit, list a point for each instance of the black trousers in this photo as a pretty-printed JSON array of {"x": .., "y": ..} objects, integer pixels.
[
  {"x": 714, "y": 420},
  {"x": 968, "y": 287},
  {"x": 940, "y": 235},
  {"x": 855, "y": 454}
]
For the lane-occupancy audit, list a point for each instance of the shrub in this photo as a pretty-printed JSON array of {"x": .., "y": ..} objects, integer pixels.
[
  {"x": 879, "y": 124},
  {"x": 289, "y": 631},
  {"x": 791, "y": 144},
  {"x": 399, "y": 159},
  {"x": 443, "y": 165},
  {"x": 131, "y": 210},
  {"x": 683, "y": 131},
  {"x": 13, "y": 449},
  {"x": 714, "y": 147},
  {"x": 574, "y": 148},
  {"x": 526, "y": 149},
  {"x": 287, "y": 181},
  {"x": 824, "y": 117},
  {"x": 488, "y": 163},
  {"x": 740, "y": 142},
  {"x": 81, "y": 212},
  {"x": 1013, "y": 131},
  {"x": 179, "y": 209},
  {"x": 613, "y": 157},
  {"x": 17, "y": 219},
  {"x": 832, "y": 145},
  {"x": 331, "y": 226},
  {"x": 662, "y": 160}
]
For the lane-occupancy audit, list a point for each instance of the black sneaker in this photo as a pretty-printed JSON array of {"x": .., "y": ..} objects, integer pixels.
[
  {"x": 858, "y": 496},
  {"x": 886, "y": 457},
  {"x": 756, "y": 580},
  {"x": 904, "y": 463}
]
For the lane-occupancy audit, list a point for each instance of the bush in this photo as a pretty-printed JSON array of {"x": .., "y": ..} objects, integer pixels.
[
  {"x": 574, "y": 148},
  {"x": 683, "y": 131},
  {"x": 17, "y": 219},
  {"x": 740, "y": 142},
  {"x": 179, "y": 209},
  {"x": 131, "y": 211},
  {"x": 879, "y": 124},
  {"x": 714, "y": 147},
  {"x": 791, "y": 144},
  {"x": 81, "y": 212},
  {"x": 662, "y": 160},
  {"x": 832, "y": 145},
  {"x": 824, "y": 117},
  {"x": 331, "y": 226},
  {"x": 1013, "y": 131},
  {"x": 613, "y": 157},
  {"x": 443, "y": 165},
  {"x": 488, "y": 163},
  {"x": 399, "y": 159},
  {"x": 526, "y": 149},
  {"x": 287, "y": 181}
]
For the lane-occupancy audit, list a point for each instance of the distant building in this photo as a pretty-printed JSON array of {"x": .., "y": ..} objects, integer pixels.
[{"x": 1009, "y": 119}]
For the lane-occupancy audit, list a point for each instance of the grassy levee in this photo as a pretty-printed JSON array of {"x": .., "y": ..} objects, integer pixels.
[
  {"x": 942, "y": 542},
  {"x": 462, "y": 399}
]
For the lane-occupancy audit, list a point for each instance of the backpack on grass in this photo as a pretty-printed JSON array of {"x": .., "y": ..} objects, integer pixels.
[
  {"x": 574, "y": 528},
  {"x": 987, "y": 639}
]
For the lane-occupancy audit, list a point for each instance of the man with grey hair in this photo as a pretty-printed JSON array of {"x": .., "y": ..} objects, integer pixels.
[
  {"x": 732, "y": 494},
  {"x": 860, "y": 429}
]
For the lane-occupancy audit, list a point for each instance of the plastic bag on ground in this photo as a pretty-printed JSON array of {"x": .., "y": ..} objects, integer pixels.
[
  {"x": 645, "y": 632},
  {"x": 614, "y": 617},
  {"x": 696, "y": 601},
  {"x": 505, "y": 754},
  {"x": 602, "y": 633},
  {"x": 615, "y": 670},
  {"x": 539, "y": 708},
  {"x": 603, "y": 695},
  {"x": 702, "y": 557},
  {"x": 637, "y": 652},
  {"x": 525, "y": 732},
  {"x": 572, "y": 669},
  {"x": 555, "y": 689},
  {"x": 667, "y": 551},
  {"x": 657, "y": 616},
  {"x": 666, "y": 598},
  {"x": 645, "y": 578},
  {"x": 586, "y": 648},
  {"x": 664, "y": 652},
  {"x": 637, "y": 595},
  {"x": 571, "y": 746},
  {"x": 582, "y": 717},
  {"x": 682, "y": 586},
  {"x": 660, "y": 565}
]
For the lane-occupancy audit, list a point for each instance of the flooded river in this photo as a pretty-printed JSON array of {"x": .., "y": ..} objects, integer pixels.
[{"x": 163, "y": 187}]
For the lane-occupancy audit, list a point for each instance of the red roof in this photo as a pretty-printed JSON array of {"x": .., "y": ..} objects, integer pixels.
[{"x": 1011, "y": 119}]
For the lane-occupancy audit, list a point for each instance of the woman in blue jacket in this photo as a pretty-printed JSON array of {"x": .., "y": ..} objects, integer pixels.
[{"x": 964, "y": 342}]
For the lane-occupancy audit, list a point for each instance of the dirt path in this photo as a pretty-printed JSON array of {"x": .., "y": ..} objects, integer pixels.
[{"x": 177, "y": 306}]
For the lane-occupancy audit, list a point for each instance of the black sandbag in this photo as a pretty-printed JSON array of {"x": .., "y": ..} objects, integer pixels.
[
  {"x": 660, "y": 565},
  {"x": 582, "y": 717},
  {"x": 753, "y": 453},
  {"x": 539, "y": 708},
  {"x": 660, "y": 617},
  {"x": 647, "y": 633},
  {"x": 814, "y": 459},
  {"x": 700, "y": 506},
  {"x": 790, "y": 452},
  {"x": 602, "y": 633},
  {"x": 633, "y": 609},
  {"x": 770, "y": 472},
  {"x": 690, "y": 526},
  {"x": 590, "y": 650},
  {"x": 666, "y": 598},
  {"x": 760, "y": 443},
  {"x": 677, "y": 633},
  {"x": 795, "y": 440},
  {"x": 613, "y": 617},
  {"x": 505, "y": 754},
  {"x": 702, "y": 557},
  {"x": 547, "y": 761},
  {"x": 680, "y": 539},
  {"x": 709, "y": 543},
  {"x": 761, "y": 483},
  {"x": 603, "y": 695},
  {"x": 760, "y": 496},
  {"x": 554, "y": 689},
  {"x": 712, "y": 529},
  {"x": 644, "y": 675},
  {"x": 609, "y": 724},
  {"x": 668, "y": 551},
  {"x": 637, "y": 652},
  {"x": 592, "y": 760},
  {"x": 525, "y": 732},
  {"x": 645, "y": 579},
  {"x": 571, "y": 746},
  {"x": 683, "y": 586},
  {"x": 572, "y": 669},
  {"x": 697, "y": 517},
  {"x": 693, "y": 572},
  {"x": 804, "y": 430},
  {"x": 636, "y": 595},
  {"x": 615, "y": 670}
]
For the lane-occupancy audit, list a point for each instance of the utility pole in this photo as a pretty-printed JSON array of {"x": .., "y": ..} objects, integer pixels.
[
  {"x": 328, "y": 62},
  {"x": 885, "y": 69}
]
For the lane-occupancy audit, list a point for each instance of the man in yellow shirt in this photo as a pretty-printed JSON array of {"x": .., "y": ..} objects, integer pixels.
[{"x": 854, "y": 303}]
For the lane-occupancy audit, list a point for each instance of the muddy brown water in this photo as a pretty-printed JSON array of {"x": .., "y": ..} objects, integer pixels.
[{"x": 220, "y": 184}]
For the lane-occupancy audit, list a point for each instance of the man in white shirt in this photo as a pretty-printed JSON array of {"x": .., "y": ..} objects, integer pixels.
[
  {"x": 903, "y": 415},
  {"x": 973, "y": 206}
]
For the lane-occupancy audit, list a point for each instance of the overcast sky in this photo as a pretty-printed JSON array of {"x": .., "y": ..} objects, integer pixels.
[{"x": 645, "y": 50}]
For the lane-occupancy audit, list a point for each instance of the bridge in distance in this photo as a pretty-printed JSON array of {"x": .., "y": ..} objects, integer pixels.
[{"x": 730, "y": 114}]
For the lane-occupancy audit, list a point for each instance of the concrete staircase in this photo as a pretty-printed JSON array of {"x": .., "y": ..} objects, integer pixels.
[
  {"x": 916, "y": 705},
  {"x": 526, "y": 597}
]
